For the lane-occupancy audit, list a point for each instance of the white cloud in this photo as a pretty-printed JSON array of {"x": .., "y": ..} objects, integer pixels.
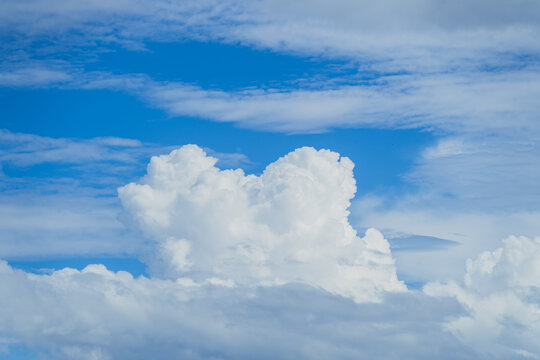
[
  {"x": 98, "y": 314},
  {"x": 501, "y": 103},
  {"x": 33, "y": 76},
  {"x": 288, "y": 225},
  {"x": 501, "y": 291},
  {"x": 469, "y": 103},
  {"x": 459, "y": 103},
  {"x": 468, "y": 67},
  {"x": 26, "y": 149},
  {"x": 418, "y": 33},
  {"x": 470, "y": 70}
]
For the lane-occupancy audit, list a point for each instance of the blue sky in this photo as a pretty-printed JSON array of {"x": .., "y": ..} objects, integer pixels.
[{"x": 435, "y": 104}]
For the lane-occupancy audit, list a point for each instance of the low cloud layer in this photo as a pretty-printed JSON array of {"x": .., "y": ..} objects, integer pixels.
[{"x": 95, "y": 314}]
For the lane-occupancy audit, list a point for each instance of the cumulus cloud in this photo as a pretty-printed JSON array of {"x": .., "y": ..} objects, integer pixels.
[
  {"x": 501, "y": 291},
  {"x": 290, "y": 224}
]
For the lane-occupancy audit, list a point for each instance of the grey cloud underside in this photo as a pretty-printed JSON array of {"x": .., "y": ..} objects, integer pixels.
[
  {"x": 97, "y": 314},
  {"x": 101, "y": 315}
]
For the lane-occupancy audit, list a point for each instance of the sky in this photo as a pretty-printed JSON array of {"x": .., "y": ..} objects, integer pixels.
[{"x": 269, "y": 179}]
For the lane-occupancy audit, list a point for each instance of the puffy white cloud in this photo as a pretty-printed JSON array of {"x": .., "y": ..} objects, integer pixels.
[
  {"x": 501, "y": 291},
  {"x": 290, "y": 224}
]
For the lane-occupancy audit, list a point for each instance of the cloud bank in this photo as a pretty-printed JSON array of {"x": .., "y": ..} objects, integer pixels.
[{"x": 96, "y": 314}]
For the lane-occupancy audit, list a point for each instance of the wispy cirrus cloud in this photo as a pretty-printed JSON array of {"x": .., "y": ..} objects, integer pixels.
[
  {"x": 459, "y": 68},
  {"x": 419, "y": 33},
  {"x": 26, "y": 149},
  {"x": 449, "y": 103},
  {"x": 484, "y": 103}
]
